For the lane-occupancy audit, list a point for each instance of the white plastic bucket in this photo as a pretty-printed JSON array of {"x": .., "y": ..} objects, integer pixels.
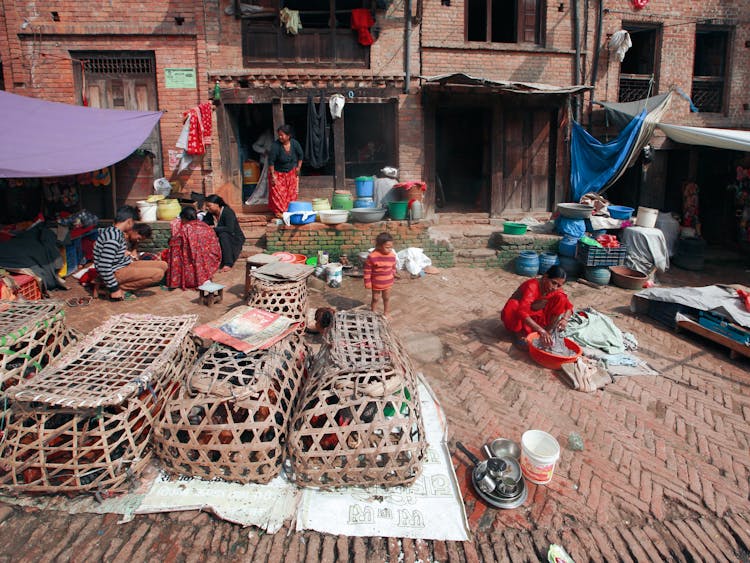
[
  {"x": 647, "y": 217},
  {"x": 539, "y": 454},
  {"x": 334, "y": 272},
  {"x": 147, "y": 211}
]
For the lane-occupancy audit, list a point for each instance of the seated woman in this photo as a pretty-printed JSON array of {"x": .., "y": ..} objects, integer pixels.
[
  {"x": 538, "y": 305},
  {"x": 194, "y": 253},
  {"x": 231, "y": 238}
]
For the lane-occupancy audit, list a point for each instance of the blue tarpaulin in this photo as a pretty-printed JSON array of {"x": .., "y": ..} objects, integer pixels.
[{"x": 593, "y": 163}]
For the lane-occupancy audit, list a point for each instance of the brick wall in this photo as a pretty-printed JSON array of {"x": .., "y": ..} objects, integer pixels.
[{"x": 351, "y": 239}]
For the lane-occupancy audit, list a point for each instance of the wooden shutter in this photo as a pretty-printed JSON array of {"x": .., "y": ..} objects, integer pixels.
[{"x": 528, "y": 21}]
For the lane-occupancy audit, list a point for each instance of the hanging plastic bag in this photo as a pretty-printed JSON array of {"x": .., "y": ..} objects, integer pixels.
[{"x": 162, "y": 187}]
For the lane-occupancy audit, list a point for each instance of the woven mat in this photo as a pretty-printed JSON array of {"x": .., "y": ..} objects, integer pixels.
[
  {"x": 283, "y": 271},
  {"x": 116, "y": 361}
]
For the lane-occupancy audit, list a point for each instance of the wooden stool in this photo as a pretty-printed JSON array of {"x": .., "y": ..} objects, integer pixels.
[{"x": 211, "y": 293}]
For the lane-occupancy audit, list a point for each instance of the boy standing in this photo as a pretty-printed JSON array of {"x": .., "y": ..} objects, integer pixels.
[{"x": 380, "y": 271}]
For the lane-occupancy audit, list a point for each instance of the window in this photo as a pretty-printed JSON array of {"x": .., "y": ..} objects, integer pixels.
[
  {"x": 504, "y": 21},
  {"x": 326, "y": 37},
  {"x": 709, "y": 69},
  {"x": 638, "y": 68}
]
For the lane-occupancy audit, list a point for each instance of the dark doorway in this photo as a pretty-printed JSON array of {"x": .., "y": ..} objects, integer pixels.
[{"x": 463, "y": 145}]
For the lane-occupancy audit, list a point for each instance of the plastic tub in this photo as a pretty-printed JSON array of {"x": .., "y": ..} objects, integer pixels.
[
  {"x": 320, "y": 204},
  {"x": 647, "y": 217},
  {"x": 299, "y": 206},
  {"x": 342, "y": 200},
  {"x": 539, "y": 454},
  {"x": 397, "y": 210},
  {"x": 364, "y": 203},
  {"x": 367, "y": 214},
  {"x": 511, "y": 228},
  {"x": 625, "y": 277},
  {"x": 549, "y": 360},
  {"x": 600, "y": 275},
  {"x": 297, "y": 218},
  {"x": 620, "y": 212},
  {"x": 527, "y": 263},
  {"x": 333, "y": 216},
  {"x": 147, "y": 211},
  {"x": 546, "y": 261},
  {"x": 364, "y": 186}
]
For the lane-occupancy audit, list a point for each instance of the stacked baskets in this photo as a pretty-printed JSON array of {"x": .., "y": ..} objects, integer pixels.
[{"x": 359, "y": 421}]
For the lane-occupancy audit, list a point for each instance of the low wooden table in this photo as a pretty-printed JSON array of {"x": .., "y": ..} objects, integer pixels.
[{"x": 211, "y": 293}]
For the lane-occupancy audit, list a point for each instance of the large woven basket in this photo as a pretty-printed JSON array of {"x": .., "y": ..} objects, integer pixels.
[
  {"x": 359, "y": 421},
  {"x": 84, "y": 422},
  {"x": 32, "y": 334},
  {"x": 283, "y": 298},
  {"x": 231, "y": 420}
]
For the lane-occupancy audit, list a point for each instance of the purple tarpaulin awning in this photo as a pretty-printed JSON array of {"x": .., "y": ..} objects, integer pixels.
[{"x": 41, "y": 138}]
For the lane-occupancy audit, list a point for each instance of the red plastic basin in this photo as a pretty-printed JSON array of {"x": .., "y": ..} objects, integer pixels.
[{"x": 547, "y": 359}]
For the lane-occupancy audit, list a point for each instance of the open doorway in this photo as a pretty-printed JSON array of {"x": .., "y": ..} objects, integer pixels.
[{"x": 463, "y": 145}]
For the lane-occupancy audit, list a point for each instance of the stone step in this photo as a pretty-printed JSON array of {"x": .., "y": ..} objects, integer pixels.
[
  {"x": 462, "y": 218},
  {"x": 476, "y": 257}
]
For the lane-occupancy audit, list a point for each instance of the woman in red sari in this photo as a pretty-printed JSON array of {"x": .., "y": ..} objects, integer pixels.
[
  {"x": 538, "y": 305},
  {"x": 194, "y": 254},
  {"x": 284, "y": 165}
]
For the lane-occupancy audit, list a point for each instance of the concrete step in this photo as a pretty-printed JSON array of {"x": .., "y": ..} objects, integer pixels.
[
  {"x": 466, "y": 236},
  {"x": 462, "y": 218},
  {"x": 476, "y": 257}
]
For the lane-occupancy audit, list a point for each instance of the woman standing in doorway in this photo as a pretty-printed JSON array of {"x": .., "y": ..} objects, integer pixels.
[
  {"x": 224, "y": 221},
  {"x": 284, "y": 165}
]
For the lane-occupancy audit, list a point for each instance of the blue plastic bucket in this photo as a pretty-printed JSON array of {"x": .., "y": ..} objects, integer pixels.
[
  {"x": 567, "y": 246},
  {"x": 546, "y": 261},
  {"x": 364, "y": 186},
  {"x": 364, "y": 202},
  {"x": 527, "y": 263}
]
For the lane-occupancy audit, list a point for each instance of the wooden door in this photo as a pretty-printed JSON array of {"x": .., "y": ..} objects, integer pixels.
[{"x": 526, "y": 174}]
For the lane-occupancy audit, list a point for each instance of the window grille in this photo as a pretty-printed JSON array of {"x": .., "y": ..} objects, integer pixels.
[{"x": 119, "y": 65}]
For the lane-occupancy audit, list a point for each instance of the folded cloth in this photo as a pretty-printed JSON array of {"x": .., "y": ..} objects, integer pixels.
[
  {"x": 592, "y": 328},
  {"x": 585, "y": 375}
]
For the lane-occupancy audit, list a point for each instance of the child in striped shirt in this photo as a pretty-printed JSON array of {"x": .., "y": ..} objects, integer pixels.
[{"x": 380, "y": 271}]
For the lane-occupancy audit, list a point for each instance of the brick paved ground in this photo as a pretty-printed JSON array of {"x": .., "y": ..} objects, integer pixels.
[{"x": 664, "y": 474}]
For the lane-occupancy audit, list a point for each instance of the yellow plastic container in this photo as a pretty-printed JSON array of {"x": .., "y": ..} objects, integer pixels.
[{"x": 167, "y": 209}]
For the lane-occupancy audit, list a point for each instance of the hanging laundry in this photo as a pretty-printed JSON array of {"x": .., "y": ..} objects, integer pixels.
[
  {"x": 290, "y": 18},
  {"x": 199, "y": 129},
  {"x": 362, "y": 21},
  {"x": 336, "y": 104},
  {"x": 620, "y": 42},
  {"x": 316, "y": 144}
]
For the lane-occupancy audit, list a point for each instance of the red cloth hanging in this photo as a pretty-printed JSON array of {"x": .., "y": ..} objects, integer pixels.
[
  {"x": 199, "y": 134},
  {"x": 362, "y": 21},
  {"x": 640, "y": 4}
]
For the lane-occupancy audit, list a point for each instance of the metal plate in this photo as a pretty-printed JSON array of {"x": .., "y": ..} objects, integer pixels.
[{"x": 497, "y": 502}]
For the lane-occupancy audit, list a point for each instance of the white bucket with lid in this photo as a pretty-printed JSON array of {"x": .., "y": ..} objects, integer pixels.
[
  {"x": 147, "y": 211},
  {"x": 334, "y": 272},
  {"x": 647, "y": 217},
  {"x": 539, "y": 454}
]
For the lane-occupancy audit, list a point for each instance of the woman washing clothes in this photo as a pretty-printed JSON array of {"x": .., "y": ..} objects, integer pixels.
[
  {"x": 194, "y": 253},
  {"x": 224, "y": 221},
  {"x": 538, "y": 305},
  {"x": 284, "y": 165}
]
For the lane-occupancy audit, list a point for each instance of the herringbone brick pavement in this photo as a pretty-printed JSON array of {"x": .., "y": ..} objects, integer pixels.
[{"x": 663, "y": 474}]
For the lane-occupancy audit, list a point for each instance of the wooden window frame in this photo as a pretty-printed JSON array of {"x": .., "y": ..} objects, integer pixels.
[
  {"x": 316, "y": 36},
  {"x": 645, "y": 79},
  {"x": 539, "y": 10},
  {"x": 705, "y": 81}
]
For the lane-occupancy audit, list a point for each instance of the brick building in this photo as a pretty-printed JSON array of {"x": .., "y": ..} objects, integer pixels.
[{"x": 470, "y": 95}]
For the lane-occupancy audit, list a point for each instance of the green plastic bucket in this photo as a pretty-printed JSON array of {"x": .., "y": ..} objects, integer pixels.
[
  {"x": 397, "y": 210},
  {"x": 342, "y": 201}
]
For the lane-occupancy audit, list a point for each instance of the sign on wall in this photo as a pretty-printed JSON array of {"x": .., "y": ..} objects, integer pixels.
[{"x": 180, "y": 78}]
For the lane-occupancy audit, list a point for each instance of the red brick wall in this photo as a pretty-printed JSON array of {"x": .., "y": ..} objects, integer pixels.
[{"x": 37, "y": 61}]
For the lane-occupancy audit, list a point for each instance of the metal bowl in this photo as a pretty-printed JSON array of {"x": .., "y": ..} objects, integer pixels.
[
  {"x": 575, "y": 210},
  {"x": 503, "y": 447}
]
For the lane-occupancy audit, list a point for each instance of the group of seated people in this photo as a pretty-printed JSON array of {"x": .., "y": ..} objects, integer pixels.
[{"x": 197, "y": 250}]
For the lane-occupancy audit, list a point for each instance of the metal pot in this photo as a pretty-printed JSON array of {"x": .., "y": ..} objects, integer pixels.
[{"x": 508, "y": 488}]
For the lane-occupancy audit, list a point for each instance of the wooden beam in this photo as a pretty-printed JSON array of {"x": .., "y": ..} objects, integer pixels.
[
  {"x": 734, "y": 346},
  {"x": 339, "y": 153}
]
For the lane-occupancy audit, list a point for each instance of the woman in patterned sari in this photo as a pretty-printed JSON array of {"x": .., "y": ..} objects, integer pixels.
[
  {"x": 284, "y": 165},
  {"x": 194, "y": 254}
]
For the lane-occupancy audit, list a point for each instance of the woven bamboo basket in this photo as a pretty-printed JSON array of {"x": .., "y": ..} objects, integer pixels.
[
  {"x": 359, "y": 421},
  {"x": 231, "y": 420},
  {"x": 283, "y": 298},
  {"x": 32, "y": 334},
  {"x": 84, "y": 422}
]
